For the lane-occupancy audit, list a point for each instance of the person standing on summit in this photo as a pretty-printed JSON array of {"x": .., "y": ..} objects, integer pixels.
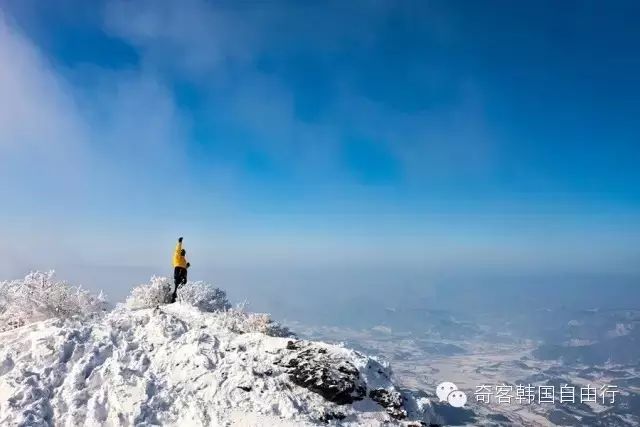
[{"x": 180, "y": 266}]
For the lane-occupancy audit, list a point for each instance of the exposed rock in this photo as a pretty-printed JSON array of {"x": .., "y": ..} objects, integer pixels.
[
  {"x": 261, "y": 373},
  {"x": 391, "y": 401},
  {"x": 334, "y": 378},
  {"x": 291, "y": 345},
  {"x": 331, "y": 415}
]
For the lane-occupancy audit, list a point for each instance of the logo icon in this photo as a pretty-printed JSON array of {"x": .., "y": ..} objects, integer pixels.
[
  {"x": 457, "y": 399},
  {"x": 448, "y": 392},
  {"x": 444, "y": 389}
]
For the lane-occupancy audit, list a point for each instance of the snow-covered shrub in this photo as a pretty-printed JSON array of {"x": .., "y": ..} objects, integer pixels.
[
  {"x": 39, "y": 296},
  {"x": 151, "y": 294},
  {"x": 262, "y": 322},
  {"x": 206, "y": 298},
  {"x": 159, "y": 290},
  {"x": 239, "y": 321},
  {"x": 203, "y": 296}
]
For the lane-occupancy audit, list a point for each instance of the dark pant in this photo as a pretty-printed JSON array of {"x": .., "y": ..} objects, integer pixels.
[{"x": 179, "y": 279}]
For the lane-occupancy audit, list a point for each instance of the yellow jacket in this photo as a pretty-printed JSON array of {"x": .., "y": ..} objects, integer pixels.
[{"x": 178, "y": 259}]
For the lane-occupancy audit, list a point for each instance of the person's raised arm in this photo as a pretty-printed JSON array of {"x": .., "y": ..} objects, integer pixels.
[{"x": 179, "y": 246}]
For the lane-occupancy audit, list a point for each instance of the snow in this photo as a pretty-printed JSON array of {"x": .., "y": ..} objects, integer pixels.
[
  {"x": 171, "y": 365},
  {"x": 39, "y": 296}
]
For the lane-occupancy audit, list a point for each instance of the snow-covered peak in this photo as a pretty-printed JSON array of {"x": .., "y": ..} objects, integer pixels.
[{"x": 176, "y": 364}]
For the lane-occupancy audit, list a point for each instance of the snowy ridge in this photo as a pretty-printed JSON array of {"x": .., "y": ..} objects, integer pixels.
[{"x": 178, "y": 365}]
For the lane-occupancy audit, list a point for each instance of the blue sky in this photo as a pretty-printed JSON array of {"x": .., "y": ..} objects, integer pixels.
[{"x": 444, "y": 135}]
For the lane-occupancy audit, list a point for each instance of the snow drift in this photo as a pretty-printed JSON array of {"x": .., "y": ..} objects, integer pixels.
[{"x": 196, "y": 362}]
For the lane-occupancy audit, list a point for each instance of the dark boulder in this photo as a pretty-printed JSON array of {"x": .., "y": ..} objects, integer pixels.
[
  {"x": 391, "y": 401},
  {"x": 331, "y": 376},
  {"x": 331, "y": 415}
]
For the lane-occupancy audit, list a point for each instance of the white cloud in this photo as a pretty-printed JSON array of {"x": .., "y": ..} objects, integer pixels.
[
  {"x": 72, "y": 155},
  {"x": 192, "y": 35},
  {"x": 219, "y": 46},
  {"x": 36, "y": 111},
  {"x": 78, "y": 136}
]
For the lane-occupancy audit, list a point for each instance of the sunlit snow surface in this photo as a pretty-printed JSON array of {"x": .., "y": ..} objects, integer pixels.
[{"x": 174, "y": 365}]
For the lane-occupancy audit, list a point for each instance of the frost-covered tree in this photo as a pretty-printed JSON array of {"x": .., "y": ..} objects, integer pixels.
[
  {"x": 40, "y": 296},
  {"x": 204, "y": 296},
  {"x": 157, "y": 291}
]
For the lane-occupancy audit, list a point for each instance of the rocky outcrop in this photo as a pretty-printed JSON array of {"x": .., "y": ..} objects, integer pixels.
[
  {"x": 314, "y": 368},
  {"x": 391, "y": 401},
  {"x": 336, "y": 378}
]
